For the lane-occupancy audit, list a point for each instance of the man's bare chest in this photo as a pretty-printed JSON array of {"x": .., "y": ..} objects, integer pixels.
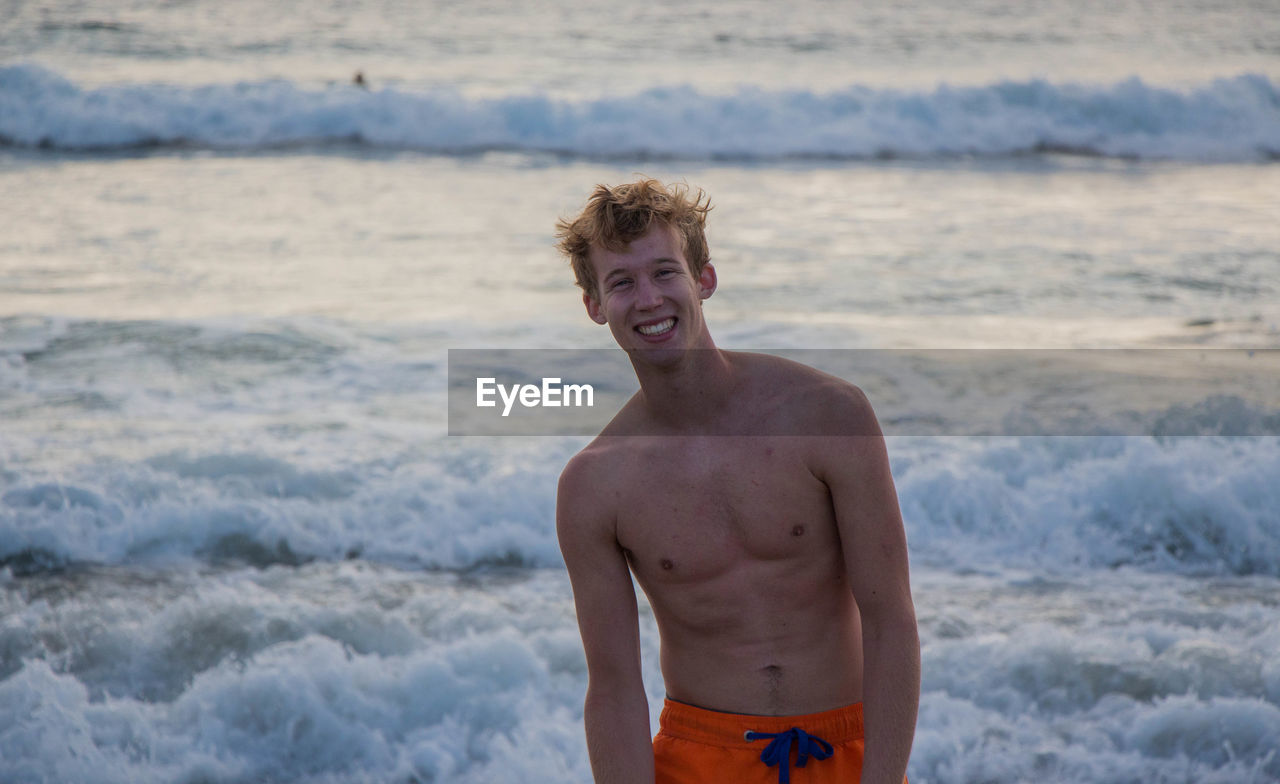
[{"x": 702, "y": 508}]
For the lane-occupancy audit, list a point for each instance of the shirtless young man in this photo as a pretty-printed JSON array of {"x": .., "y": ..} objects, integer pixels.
[{"x": 751, "y": 498}]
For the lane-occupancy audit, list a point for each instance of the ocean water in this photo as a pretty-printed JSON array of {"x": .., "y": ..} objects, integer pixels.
[{"x": 238, "y": 545}]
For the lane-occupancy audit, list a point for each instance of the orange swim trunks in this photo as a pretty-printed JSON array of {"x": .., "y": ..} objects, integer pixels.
[{"x": 699, "y": 746}]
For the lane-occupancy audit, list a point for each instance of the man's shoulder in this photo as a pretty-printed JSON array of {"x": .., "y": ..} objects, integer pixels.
[
  {"x": 782, "y": 369},
  {"x": 579, "y": 504},
  {"x": 808, "y": 400},
  {"x": 582, "y": 468},
  {"x": 586, "y": 477}
]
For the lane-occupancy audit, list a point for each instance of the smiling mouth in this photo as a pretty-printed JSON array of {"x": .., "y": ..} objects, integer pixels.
[{"x": 661, "y": 328}]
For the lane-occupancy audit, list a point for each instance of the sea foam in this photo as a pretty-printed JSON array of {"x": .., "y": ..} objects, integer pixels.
[
  {"x": 258, "y": 678},
  {"x": 355, "y": 673},
  {"x": 1193, "y": 505},
  {"x": 282, "y": 446},
  {"x": 1228, "y": 119},
  {"x": 1185, "y": 504}
]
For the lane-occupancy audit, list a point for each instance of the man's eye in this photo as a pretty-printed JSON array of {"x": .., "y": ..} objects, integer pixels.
[
  {"x": 618, "y": 283},
  {"x": 666, "y": 273}
]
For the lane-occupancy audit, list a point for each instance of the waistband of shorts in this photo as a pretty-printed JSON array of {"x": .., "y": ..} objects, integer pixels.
[{"x": 681, "y": 720}]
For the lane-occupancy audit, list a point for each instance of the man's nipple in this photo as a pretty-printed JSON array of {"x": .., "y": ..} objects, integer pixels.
[{"x": 666, "y": 564}]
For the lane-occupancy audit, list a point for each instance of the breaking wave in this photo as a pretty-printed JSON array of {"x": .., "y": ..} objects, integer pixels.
[{"x": 1228, "y": 119}]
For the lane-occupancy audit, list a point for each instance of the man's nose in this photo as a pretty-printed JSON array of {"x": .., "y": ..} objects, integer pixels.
[{"x": 647, "y": 295}]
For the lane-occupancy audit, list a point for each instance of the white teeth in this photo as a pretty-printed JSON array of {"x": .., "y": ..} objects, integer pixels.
[{"x": 659, "y": 328}]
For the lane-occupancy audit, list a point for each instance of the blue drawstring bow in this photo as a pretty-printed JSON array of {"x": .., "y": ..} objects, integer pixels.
[{"x": 778, "y": 752}]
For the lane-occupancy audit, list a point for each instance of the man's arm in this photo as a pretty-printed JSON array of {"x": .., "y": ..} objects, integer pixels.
[
  {"x": 875, "y": 556},
  {"x": 616, "y": 712}
]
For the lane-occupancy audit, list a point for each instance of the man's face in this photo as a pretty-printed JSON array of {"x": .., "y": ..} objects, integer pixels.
[{"x": 648, "y": 296}]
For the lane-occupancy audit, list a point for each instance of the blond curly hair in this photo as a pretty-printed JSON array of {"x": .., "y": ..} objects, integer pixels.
[{"x": 617, "y": 215}]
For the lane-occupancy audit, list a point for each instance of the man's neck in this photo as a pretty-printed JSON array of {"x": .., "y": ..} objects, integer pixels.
[{"x": 687, "y": 394}]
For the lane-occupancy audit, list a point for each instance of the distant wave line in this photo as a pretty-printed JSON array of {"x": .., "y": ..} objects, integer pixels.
[{"x": 1233, "y": 118}]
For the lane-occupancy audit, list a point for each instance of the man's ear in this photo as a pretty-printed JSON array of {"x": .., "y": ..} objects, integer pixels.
[
  {"x": 706, "y": 281},
  {"x": 593, "y": 309}
]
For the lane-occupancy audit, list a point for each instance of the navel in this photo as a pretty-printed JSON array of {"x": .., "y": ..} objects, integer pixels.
[
  {"x": 797, "y": 530},
  {"x": 666, "y": 564}
]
